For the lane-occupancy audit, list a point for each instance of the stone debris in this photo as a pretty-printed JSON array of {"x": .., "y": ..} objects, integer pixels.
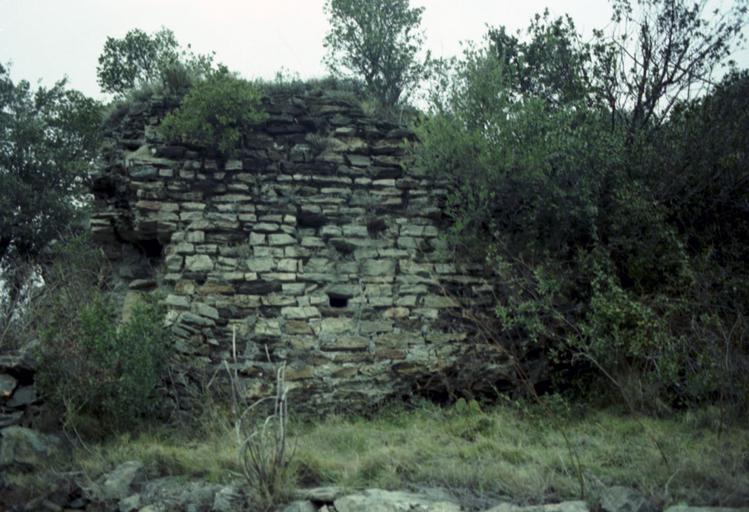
[
  {"x": 120, "y": 484},
  {"x": 565, "y": 506},
  {"x": 17, "y": 391},
  {"x": 625, "y": 499},
  {"x": 23, "y": 449},
  {"x": 375, "y": 500},
  {"x": 686, "y": 508}
]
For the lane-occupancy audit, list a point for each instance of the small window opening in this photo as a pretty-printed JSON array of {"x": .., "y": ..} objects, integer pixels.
[
  {"x": 338, "y": 301},
  {"x": 151, "y": 249}
]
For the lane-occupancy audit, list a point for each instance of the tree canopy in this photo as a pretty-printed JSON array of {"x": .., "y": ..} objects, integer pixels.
[
  {"x": 49, "y": 139},
  {"x": 139, "y": 58},
  {"x": 48, "y": 142},
  {"x": 378, "y": 41}
]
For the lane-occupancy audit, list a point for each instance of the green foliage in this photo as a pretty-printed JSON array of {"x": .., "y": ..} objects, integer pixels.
[
  {"x": 622, "y": 330},
  {"x": 548, "y": 164},
  {"x": 216, "y": 113},
  {"x": 48, "y": 141},
  {"x": 703, "y": 169},
  {"x": 377, "y": 41},
  {"x": 136, "y": 58},
  {"x": 139, "y": 59},
  {"x": 551, "y": 65},
  {"x": 610, "y": 238},
  {"x": 265, "y": 453},
  {"x": 92, "y": 367},
  {"x": 103, "y": 370},
  {"x": 286, "y": 83}
]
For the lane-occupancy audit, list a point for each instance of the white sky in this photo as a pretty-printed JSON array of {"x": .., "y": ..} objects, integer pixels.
[{"x": 48, "y": 39}]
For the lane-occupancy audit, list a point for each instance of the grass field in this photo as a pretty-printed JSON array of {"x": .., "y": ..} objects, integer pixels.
[{"x": 508, "y": 452}]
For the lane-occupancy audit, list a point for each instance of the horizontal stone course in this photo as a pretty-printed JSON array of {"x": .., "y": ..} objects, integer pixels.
[{"x": 317, "y": 244}]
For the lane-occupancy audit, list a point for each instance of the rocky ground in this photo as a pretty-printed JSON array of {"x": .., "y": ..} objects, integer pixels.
[{"x": 127, "y": 489}]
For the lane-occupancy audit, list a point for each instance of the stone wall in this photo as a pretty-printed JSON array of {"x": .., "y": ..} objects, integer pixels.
[
  {"x": 18, "y": 396},
  {"x": 315, "y": 245}
]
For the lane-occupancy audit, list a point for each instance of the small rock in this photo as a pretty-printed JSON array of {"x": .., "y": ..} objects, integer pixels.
[
  {"x": 177, "y": 301},
  {"x": 379, "y": 267},
  {"x": 227, "y": 499},
  {"x": 206, "y": 311},
  {"x": 624, "y": 499},
  {"x": 199, "y": 263},
  {"x": 25, "y": 449},
  {"x": 130, "y": 504},
  {"x": 77, "y": 503},
  {"x": 10, "y": 418},
  {"x": 686, "y": 508},
  {"x": 122, "y": 482},
  {"x": 281, "y": 239},
  {"x": 7, "y": 385},
  {"x": 376, "y": 500},
  {"x": 346, "y": 343},
  {"x": 193, "y": 319},
  {"x": 20, "y": 361},
  {"x": 142, "y": 284},
  {"x": 300, "y": 506},
  {"x": 22, "y": 397},
  {"x": 300, "y": 313},
  {"x": 326, "y": 494},
  {"x": 565, "y": 506},
  {"x": 45, "y": 505},
  {"x": 158, "y": 507},
  {"x": 180, "y": 494}
]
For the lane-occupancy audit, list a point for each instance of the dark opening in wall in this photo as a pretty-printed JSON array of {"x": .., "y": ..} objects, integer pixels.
[
  {"x": 376, "y": 226},
  {"x": 336, "y": 301},
  {"x": 151, "y": 249}
]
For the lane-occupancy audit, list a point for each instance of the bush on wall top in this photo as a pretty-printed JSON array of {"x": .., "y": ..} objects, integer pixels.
[{"x": 215, "y": 113}]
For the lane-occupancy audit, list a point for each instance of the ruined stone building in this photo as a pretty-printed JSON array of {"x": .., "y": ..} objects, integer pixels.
[{"x": 316, "y": 244}]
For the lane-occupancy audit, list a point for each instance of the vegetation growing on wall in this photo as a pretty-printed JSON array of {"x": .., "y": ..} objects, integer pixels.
[
  {"x": 216, "y": 113},
  {"x": 604, "y": 182}
]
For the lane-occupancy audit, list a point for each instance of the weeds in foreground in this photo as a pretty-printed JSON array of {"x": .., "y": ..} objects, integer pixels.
[
  {"x": 509, "y": 451},
  {"x": 262, "y": 445},
  {"x": 264, "y": 454}
]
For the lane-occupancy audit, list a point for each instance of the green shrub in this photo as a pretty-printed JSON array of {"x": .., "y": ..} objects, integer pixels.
[
  {"x": 626, "y": 335},
  {"x": 617, "y": 255},
  {"x": 215, "y": 113},
  {"x": 93, "y": 368}
]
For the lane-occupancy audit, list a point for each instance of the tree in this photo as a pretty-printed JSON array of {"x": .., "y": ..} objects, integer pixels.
[
  {"x": 611, "y": 201},
  {"x": 48, "y": 142},
  {"x": 135, "y": 59},
  {"x": 139, "y": 58},
  {"x": 553, "y": 64},
  {"x": 379, "y": 41},
  {"x": 701, "y": 172},
  {"x": 660, "y": 52}
]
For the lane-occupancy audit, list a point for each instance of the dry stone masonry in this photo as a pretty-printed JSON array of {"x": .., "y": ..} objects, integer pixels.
[{"x": 315, "y": 245}]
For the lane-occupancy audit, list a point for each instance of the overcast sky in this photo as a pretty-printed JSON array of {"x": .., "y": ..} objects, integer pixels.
[{"x": 48, "y": 39}]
